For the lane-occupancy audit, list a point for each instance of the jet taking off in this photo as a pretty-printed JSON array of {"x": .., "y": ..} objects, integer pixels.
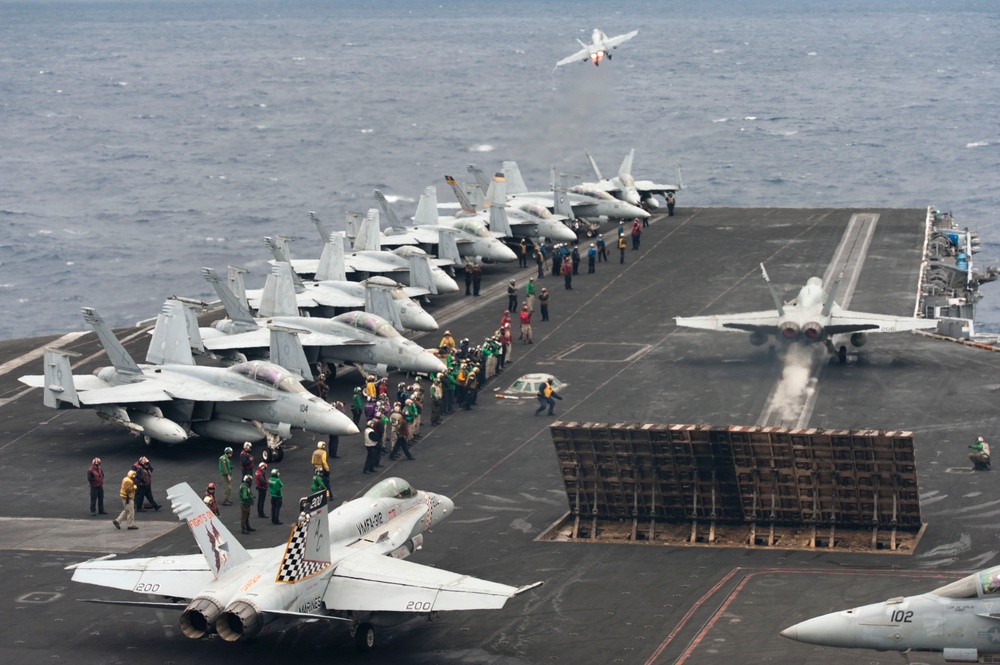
[
  {"x": 174, "y": 399},
  {"x": 600, "y": 46},
  {"x": 958, "y": 619},
  {"x": 344, "y": 565},
  {"x": 811, "y": 317},
  {"x": 625, "y": 187}
]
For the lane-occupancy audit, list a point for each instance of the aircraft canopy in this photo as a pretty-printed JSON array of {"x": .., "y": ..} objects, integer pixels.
[
  {"x": 977, "y": 585},
  {"x": 268, "y": 373}
]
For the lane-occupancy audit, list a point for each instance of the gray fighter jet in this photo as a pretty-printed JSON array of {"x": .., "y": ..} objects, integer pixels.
[
  {"x": 812, "y": 317},
  {"x": 637, "y": 192},
  {"x": 959, "y": 619},
  {"x": 471, "y": 237},
  {"x": 342, "y": 566},
  {"x": 352, "y": 337},
  {"x": 173, "y": 399},
  {"x": 600, "y": 47},
  {"x": 580, "y": 200}
]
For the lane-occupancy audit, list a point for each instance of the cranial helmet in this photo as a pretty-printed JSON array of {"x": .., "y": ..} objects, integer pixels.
[
  {"x": 321, "y": 445},
  {"x": 228, "y": 450},
  {"x": 131, "y": 473},
  {"x": 96, "y": 461},
  {"x": 211, "y": 487},
  {"x": 262, "y": 466},
  {"x": 274, "y": 472},
  {"x": 247, "y": 478},
  {"x": 247, "y": 446}
]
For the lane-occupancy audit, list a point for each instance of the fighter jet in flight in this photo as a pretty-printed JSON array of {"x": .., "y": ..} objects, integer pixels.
[
  {"x": 958, "y": 619},
  {"x": 812, "y": 317},
  {"x": 600, "y": 46},
  {"x": 625, "y": 187},
  {"x": 344, "y": 565},
  {"x": 173, "y": 400},
  {"x": 352, "y": 337}
]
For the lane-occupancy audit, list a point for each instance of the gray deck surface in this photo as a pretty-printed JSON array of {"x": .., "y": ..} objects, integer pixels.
[{"x": 613, "y": 340}]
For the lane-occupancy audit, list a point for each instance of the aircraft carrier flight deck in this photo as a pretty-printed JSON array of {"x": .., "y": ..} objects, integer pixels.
[{"x": 613, "y": 341}]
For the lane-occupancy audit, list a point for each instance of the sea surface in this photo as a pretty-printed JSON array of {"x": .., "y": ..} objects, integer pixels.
[{"x": 141, "y": 140}]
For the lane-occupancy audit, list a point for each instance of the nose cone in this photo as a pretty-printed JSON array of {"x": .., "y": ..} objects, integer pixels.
[
  {"x": 443, "y": 507},
  {"x": 444, "y": 283},
  {"x": 415, "y": 318},
  {"x": 559, "y": 232},
  {"x": 332, "y": 422},
  {"x": 501, "y": 253},
  {"x": 832, "y": 630},
  {"x": 428, "y": 362},
  {"x": 636, "y": 211}
]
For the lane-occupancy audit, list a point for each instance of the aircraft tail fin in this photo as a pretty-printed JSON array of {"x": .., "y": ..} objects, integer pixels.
[
  {"x": 331, "y": 261},
  {"x": 420, "y": 270},
  {"x": 774, "y": 294},
  {"x": 593, "y": 165},
  {"x": 172, "y": 341},
  {"x": 478, "y": 174},
  {"x": 278, "y": 298},
  {"x": 560, "y": 201},
  {"x": 515, "y": 183},
  {"x": 324, "y": 232},
  {"x": 468, "y": 208},
  {"x": 286, "y": 350},
  {"x": 58, "y": 391},
  {"x": 390, "y": 214},
  {"x": 119, "y": 357},
  {"x": 368, "y": 233},
  {"x": 447, "y": 247},
  {"x": 235, "y": 276},
  {"x": 378, "y": 300},
  {"x": 427, "y": 208},
  {"x": 680, "y": 182},
  {"x": 828, "y": 306},
  {"x": 236, "y": 309},
  {"x": 279, "y": 248},
  {"x": 353, "y": 221},
  {"x": 220, "y": 549},
  {"x": 497, "y": 202},
  {"x": 308, "y": 551},
  {"x": 626, "y": 168}
]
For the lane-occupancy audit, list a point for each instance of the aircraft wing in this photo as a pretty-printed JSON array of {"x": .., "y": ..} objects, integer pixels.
[
  {"x": 849, "y": 322},
  {"x": 615, "y": 42},
  {"x": 583, "y": 55},
  {"x": 304, "y": 300},
  {"x": 261, "y": 339},
  {"x": 415, "y": 291},
  {"x": 81, "y": 382},
  {"x": 648, "y": 186},
  {"x": 370, "y": 582},
  {"x": 174, "y": 576},
  {"x": 371, "y": 264},
  {"x": 330, "y": 296},
  {"x": 766, "y": 321},
  {"x": 92, "y": 391}
]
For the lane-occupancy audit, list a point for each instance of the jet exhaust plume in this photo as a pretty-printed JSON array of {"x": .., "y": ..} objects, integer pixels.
[{"x": 797, "y": 383}]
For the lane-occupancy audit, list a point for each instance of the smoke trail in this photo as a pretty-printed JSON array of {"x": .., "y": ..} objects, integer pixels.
[{"x": 797, "y": 383}]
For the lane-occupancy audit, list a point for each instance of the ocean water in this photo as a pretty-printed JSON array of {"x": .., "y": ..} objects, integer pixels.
[{"x": 143, "y": 140}]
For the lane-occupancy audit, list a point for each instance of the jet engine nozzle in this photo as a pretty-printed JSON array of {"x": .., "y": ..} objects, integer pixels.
[
  {"x": 812, "y": 332},
  {"x": 199, "y": 617},
  {"x": 240, "y": 621},
  {"x": 789, "y": 330},
  {"x": 859, "y": 339},
  {"x": 758, "y": 338}
]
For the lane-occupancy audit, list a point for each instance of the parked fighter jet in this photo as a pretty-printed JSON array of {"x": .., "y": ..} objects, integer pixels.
[
  {"x": 353, "y": 337},
  {"x": 958, "y": 619},
  {"x": 571, "y": 201},
  {"x": 473, "y": 240},
  {"x": 174, "y": 399},
  {"x": 407, "y": 264},
  {"x": 524, "y": 218},
  {"x": 377, "y": 294},
  {"x": 343, "y": 565},
  {"x": 811, "y": 317},
  {"x": 625, "y": 187},
  {"x": 600, "y": 46}
]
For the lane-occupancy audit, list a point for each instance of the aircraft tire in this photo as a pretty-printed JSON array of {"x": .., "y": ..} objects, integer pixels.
[
  {"x": 364, "y": 637},
  {"x": 842, "y": 355},
  {"x": 277, "y": 455},
  {"x": 267, "y": 455}
]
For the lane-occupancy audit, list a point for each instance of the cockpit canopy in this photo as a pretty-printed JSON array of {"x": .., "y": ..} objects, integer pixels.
[
  {"x": 391, "y": 488},
  {"x": 473, "y": 228},
  {"x": 270, "y": 374},
  {"x": 592, "y": 192},
  {"x": 535, "y": 210},
  {"x": 371, "y": 323},
  {"x": 978, "y": 584}
]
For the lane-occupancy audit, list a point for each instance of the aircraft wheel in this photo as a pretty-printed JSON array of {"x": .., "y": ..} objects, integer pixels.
[
  {"x": 364, "y": 637},
  {"x": 277, "y": 454},
  {"x": 267, "y": 455},
  {"x": 842, "y": 355}
]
